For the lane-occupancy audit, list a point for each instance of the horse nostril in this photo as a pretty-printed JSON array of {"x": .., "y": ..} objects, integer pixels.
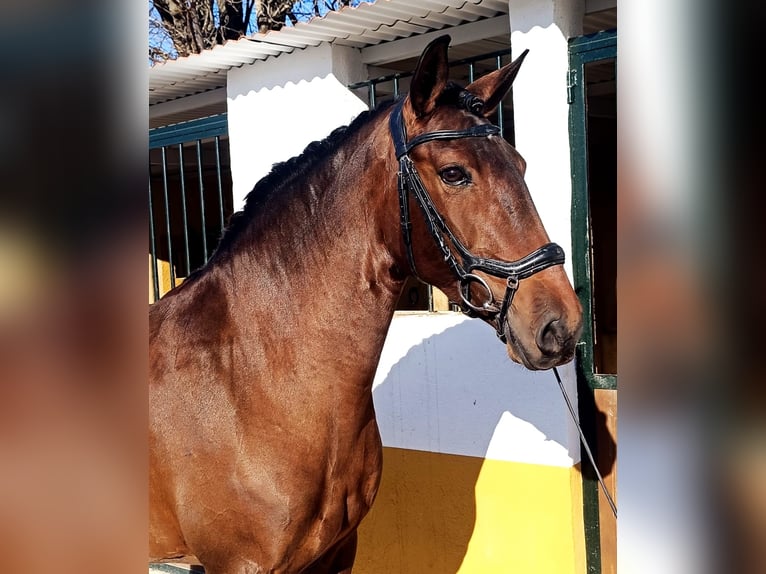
[{"x": 552, "y": 336}]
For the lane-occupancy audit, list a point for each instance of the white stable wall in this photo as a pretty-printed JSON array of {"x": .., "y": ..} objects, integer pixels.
[
  {"x": 278, "y": 106},
  {"x": 541, "y": 118},
  {"x": 445, "y": 384},
  {"x": 541, "y": 111}
]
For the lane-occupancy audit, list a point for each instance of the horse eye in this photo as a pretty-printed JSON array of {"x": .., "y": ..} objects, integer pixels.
[{"x": 454, "y": 175}]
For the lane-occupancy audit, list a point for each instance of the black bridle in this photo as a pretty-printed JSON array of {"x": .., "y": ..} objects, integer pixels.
[{"x": 410, "y": 184}]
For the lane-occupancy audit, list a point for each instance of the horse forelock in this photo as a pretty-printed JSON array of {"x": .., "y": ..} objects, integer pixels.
[{"x": 456, "y": 95}]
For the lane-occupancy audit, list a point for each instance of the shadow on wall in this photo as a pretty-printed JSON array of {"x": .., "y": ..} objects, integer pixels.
[
  {"x": 447, "y": 396},
  {"x": 446, "y": 384}
]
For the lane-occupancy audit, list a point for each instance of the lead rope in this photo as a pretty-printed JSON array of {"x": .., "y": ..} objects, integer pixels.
[{"x": 585, "y": 444}]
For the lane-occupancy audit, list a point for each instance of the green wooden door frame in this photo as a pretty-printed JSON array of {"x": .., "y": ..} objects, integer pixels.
[{"x": 584, "y": 50}]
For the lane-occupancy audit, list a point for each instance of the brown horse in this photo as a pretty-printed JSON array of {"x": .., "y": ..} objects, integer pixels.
[{"x": 265, "y": 453}]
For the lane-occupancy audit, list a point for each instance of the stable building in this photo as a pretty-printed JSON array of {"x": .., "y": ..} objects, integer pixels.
[{"x": 483, "y": 466}]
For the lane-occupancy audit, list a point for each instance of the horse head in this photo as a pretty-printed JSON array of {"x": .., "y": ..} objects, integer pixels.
[{"x": 469, "y": 225}]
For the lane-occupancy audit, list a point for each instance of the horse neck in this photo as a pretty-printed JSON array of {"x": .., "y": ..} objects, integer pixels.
[{"x": 315, "y": 267}]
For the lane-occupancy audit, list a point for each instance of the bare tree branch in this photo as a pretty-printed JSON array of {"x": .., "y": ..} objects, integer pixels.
[
  {"x": 271, "y": 14},
  {"x": 248, "y": 13},
  {"x": 181, "y": 20},
  {"x": 161, "y": 46},
  {"x": 182, "y": 27}
]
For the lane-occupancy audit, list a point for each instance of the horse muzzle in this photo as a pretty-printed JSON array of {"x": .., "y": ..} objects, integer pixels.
[{"x": 550, "y": 342}]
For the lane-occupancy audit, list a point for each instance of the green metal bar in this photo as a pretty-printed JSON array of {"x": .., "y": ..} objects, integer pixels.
[
  {"x": 587, "y": 412},
  {"x": 167, "y": 215},
  {"x": 500, "y": 113},
  {"x": 183, "y": 207},
  {"x": 366, "y": 83},
  {"x": 401, "y": 75},
  {"x": 470, "y": 72},
  {"x": 487, "y": 56},
  {"x": 597, "y": 55},
  {"x": 601, "y": 381},
  {"x": 202, "y": 128},
  {"x": 153, "y": 245},
  {"x": 171, "y": 569},
  {"x": 396, "y": 87},
  {"x": 220, "y": 186},
  {"x": 201, "y": 198},
  {"x": 591, "y": 42}
]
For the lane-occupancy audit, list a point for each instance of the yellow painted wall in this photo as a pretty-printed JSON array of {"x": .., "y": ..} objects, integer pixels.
[
  {"x": 163, "y": 278},
  {"x": 444, "y": 514}
]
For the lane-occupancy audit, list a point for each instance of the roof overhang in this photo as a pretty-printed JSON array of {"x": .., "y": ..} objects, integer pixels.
[{"x": 364, "y": 26}]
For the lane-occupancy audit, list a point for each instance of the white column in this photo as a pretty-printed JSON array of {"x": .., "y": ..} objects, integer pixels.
[
  {"x": 278, "y": 106},
  {"x": 541, "y": 116},
  {"x": 541, "y": 112}
]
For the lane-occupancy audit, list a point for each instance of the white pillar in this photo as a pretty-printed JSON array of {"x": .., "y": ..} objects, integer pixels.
[
  {"x": 541, "y": 112},
  {"x": 278, "y": 106},
  {"x": 541, "y": 116}
]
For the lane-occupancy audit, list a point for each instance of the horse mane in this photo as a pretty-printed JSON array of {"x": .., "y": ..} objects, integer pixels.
[{"x": 284, "y": 173}]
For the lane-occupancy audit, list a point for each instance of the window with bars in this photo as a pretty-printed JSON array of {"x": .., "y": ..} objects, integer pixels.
[{"x": 190, "y": 198}]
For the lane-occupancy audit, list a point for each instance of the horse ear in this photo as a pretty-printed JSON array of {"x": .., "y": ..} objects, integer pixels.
[
  {"x": 493, "y": 87},
  {"x": 430, "y": 76}
]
